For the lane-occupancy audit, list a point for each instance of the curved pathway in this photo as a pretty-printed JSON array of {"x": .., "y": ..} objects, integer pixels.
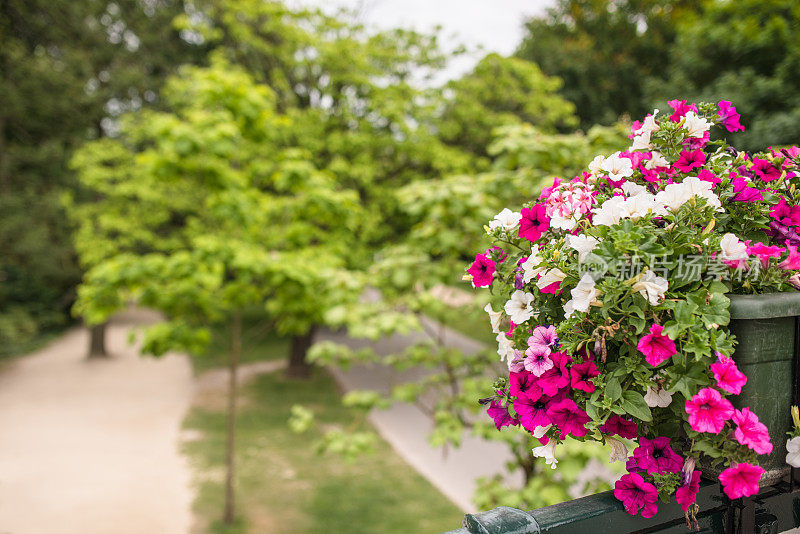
[{"x": 91, "y": 447}]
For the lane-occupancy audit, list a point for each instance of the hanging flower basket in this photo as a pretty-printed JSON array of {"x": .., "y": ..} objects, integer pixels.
[{"x": 650, "y": 304}]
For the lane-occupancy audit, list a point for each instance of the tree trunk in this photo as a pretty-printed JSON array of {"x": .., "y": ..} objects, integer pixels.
[
  {"x": 97, "y": 341},
  {"x": 298, "y": 366},
  {"x": 233, "y": 364}
]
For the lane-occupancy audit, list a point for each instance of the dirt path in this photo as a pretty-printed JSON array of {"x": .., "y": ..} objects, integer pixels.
[{"x": 92, "y": 446}]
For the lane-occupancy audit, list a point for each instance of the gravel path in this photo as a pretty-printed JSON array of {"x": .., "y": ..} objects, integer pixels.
[{"x": 92, "y": 446}]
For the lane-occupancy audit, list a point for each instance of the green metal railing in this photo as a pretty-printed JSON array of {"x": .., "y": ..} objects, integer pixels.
[{"x": 776, "y": 509}]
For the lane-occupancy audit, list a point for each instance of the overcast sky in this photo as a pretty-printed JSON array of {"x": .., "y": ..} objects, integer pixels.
[{"x": 494, "y": 24}]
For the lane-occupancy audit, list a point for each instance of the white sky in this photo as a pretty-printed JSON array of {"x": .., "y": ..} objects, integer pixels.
[{"x": 496, "y": 25}]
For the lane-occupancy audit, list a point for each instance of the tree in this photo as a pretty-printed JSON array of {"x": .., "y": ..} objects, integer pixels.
[
  {"x": 232, "y": 216},
  {"x": 745, "y": 52},
  {"x": 604, "y": 51},
  {"x": 66, "y": 69}
]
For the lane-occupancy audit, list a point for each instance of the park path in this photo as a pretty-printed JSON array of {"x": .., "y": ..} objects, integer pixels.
[
  {"x": 453, "y": 472},
  {"x": 91, "y": 447}
]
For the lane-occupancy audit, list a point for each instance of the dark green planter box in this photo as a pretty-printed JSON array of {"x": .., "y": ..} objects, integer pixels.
[{"x": 766, "y": 328}]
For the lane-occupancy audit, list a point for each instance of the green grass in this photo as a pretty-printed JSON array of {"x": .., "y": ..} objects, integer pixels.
[{"x": 284, "y": 485}]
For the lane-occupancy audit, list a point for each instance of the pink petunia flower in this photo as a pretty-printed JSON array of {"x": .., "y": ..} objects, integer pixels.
[
  {"x": 680, "y": 109},
  {"x": 655, "y": 346},
  {"x": 523, "y": 384},
  {"x": 581, "y": 376},
  {"x": 543, "y": 335},
  {"x": 687, "y": 495},
  {"x": 689, "y": 160},
  {"x": 792, "y": 261},
  {"x": 708, "y": 176},
  {"x": 482, "y": 271},
  {"x": 708, "y": 411},
  {"x": 741, "y": 480},
  {"x": 729, "y": 378},
  {"x": 569, "y": 418},
  {"x": 556, "y": 378},
  {"x": 744, "y": 191},
  {"x": 537, "y": 360},
  {"x": 532, "y": 410},
  {"x": 765, "y": 252},
  {"x": 500, "y": 415},
  {"x": 785, "y": 214},
  {"x": 636, "y": 494},
  {"x": 534, "y": 222},
  {"x": 547, "y": 191},
  {"x": 728, "y": 117},
  {"x": 751, "y": 432},
  {"x": 656, "y": 456},
  {"x": 765, "y": 170},
  {"x": 620, "y": 426}
]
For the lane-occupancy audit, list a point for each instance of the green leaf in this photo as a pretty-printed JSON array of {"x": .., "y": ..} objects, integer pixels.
[
  {"x": 613, "y": 389},
  {"x": 634, "y": 404}
]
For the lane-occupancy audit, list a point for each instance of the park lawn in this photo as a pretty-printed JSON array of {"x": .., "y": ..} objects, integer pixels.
[{"x": 286, "y": 487}]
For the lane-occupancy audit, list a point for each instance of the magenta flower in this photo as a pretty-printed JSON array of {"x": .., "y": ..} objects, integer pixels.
[
  {"x": 534, "y": 222},
  {"x": 792, "y": 261},
  {"x": 656, "y": 456},
  {"x": 523, "y": 384},
  {"x": 500, "y": 415},
  {"x": 744, "y": 192},
  {"x": 689, "y": 160},
  {"x": 482, "y": 271},
  {"x": 532, "y": 411},
  {"x": 729, "y": 118},
  {"x": 741, "y": 480},
  {"x": 765, "y": 252},
  {"x": 751, "y": 432},
  {"x": 655, "y": 346},
  {"x": 680, "y": 109},
  {"x": 636, "y": 494},
  {"x": 729, "y": 378},
  {"x": 785, "y": 214},
  {"x": 543, "y": 335},
  {"x": 568, "y": 418},
  {"x": 708, "y": 176},
  {"x": 687, "y": 495},
  {"x": 708, "y": 411},
  {"x": 556, "y": 378},
  {"x": 620, "y": 426},
  {"x": 537, "y": 360},
  {"x": 765, "y": 170},
  {"x": 581, "y": 376},
  {"x": 547, "y": 191}
]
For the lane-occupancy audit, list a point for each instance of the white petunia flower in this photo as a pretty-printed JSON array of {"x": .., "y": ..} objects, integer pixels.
[
  {"x": 494, "y": 318},
  {"x": 584, "y": 244},
  {"x": 651, "y": 287},
  {"x": 550, "y": 276},
  {"x": 695, "y": 126},
  {"x": 540, "y": 431},
  {"x": 596, "y": 165},
  {"x": 548, "y": 452},
  {"x": 519, "y": 307},
  {"x": 617, "y": 166},
  {"x": 732, "y": 248},
  {"x": 609, "y": 213},
  {"x": 530, "y": 267},
  {"x": 632, "y": 189},
  {"x": 657, "y": 397},
  {"x": 649, "y": 125},
  {"x": 793, "y": 448},
  {"x": 656, "y": 161},
  {"x": 619, "y": 452},
  {"x": 700, "y": 188},
  {"x": 640, "y": 205},
  {"x": 506, "y": 219},
  {"x": 567, "y": 223},
  {"x": 641, "y": 142},
  {"x": 674, "y": 196},
  {"x": 505, "y": 348},
  {"x": 582, "y": 296}
]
